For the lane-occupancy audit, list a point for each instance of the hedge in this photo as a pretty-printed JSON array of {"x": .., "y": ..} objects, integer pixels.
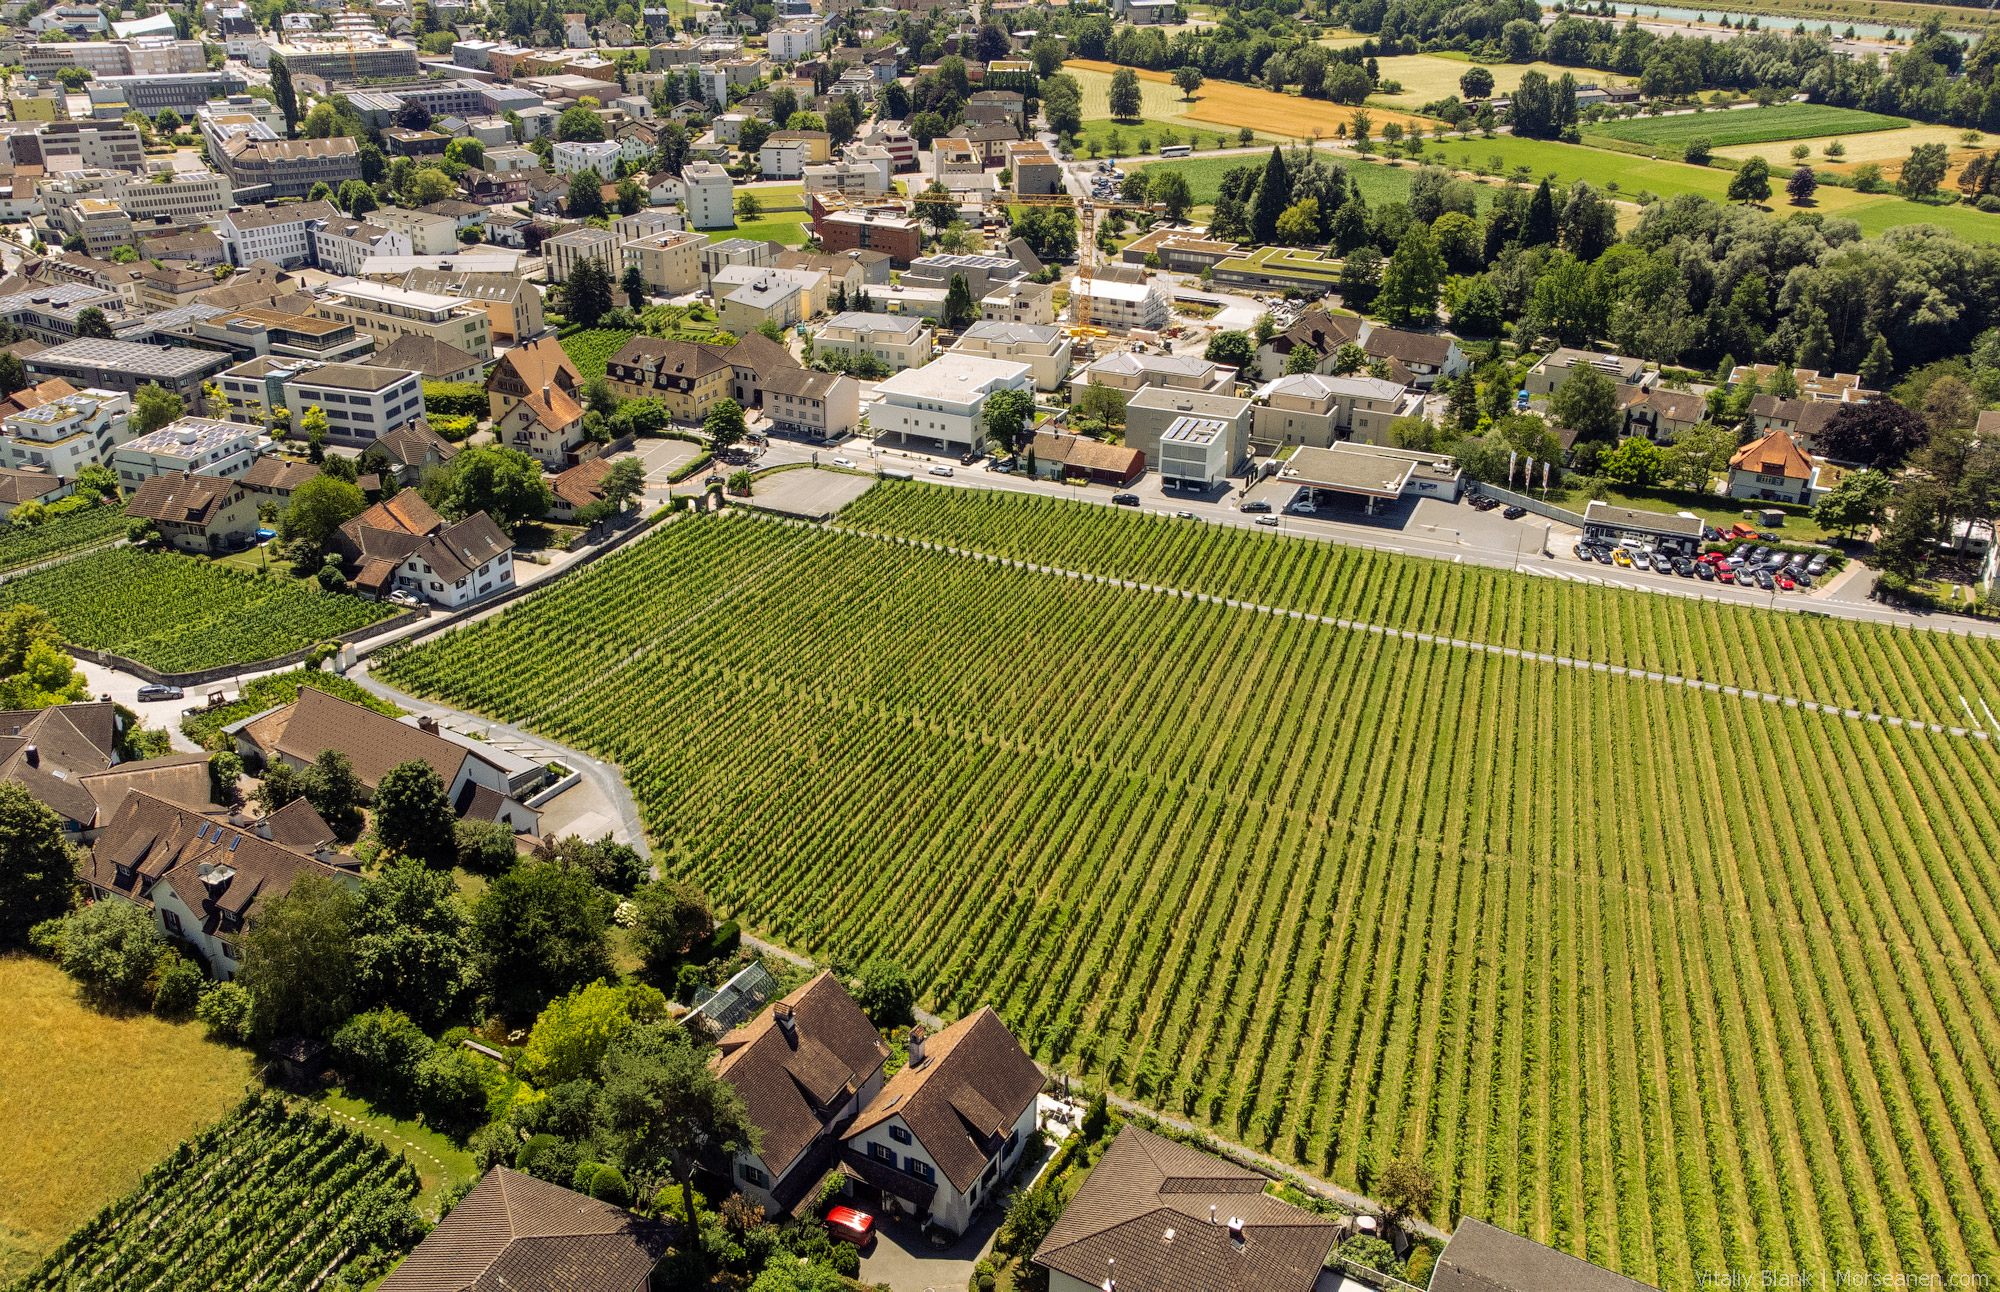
[{"x": 454, "y": 399}]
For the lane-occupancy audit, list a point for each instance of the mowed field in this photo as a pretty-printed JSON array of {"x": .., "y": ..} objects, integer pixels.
[
  {"x": 1886, "y": 147},
  {"x": 1748, "y": 125},
  {"x": 1676, "y": 979},
  {"x": 1224, "y": 103},
  {"x": 1378, "y": 182},
  {"x": 1426, "y": 78},
  {"x": 92, "y": 1101}
]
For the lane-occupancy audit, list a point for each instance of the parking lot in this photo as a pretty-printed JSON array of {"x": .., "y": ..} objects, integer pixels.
[
  {"x": 1748, "y": 564},
  {"x": 806, "y": 493}
]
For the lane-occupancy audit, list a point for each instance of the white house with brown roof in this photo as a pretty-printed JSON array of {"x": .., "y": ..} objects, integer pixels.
[
  {"x": 1428, "y": 357},
  {"x": 400, "y": 544},
  {"x": 195, "y": 513},
  {"x": 1774, "y": 468},
  {"x": 805, "y": 1068},
  {"x": 66, "y": 757},
  {"x": 534, "y": 396},
  {"x": 37, "y": 484},
  {"x": 1657, "y": 413},
  {"x": 944, "y": 1132},
  {"x": 1170, "y": 1218}
]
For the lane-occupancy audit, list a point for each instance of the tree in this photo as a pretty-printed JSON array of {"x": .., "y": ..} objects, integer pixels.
[
  {"x": 1752, "y": 181},
  {"x": 1858, "y": 502},
  {"x": 1299, "y": 224},
  {"x": 585, "y": 197},
  {"x": 1047, "y": 53},
  {"x": 1360, "y": 275},
  {"x": 1125, "y": 99},
  {"x": 1479, "y": 310},
  {"x": 1170, "y": 189},
  {"x": 1541, "y": 228},
  {"x": 885, "y": 993},
  {"x": 1698, "y": 150},
  {"x": 13, "y": 373},
  {"x": 318, "y": 509},
  {"x": 959, "y": 307},
  {"x": 1062, "y": 105},
  {"x": 37, "y": 868},
  {"x": 673, "y": 1113},
  {"x": 539, "y": 931},
  {"x": 579, "y": 124},
  {"x": 587, "y": 292},
  {"x": 1697, "y": 454},
  {"x": 1101, "y": 403},
  {"x": 298, "y": 960},
  {"x": 282, "y": 91},
  {"x": 1636, "y": 461},
  {"x": 410, "y": 946},
  {"x": 1924, "y": 170},
  {"x": 281, "y": 784},
  {"x": 413, "y": 816},
  {"x": 1801, "y": 185},
  {"x": 335, "y": 792},
  {"x": 935, "y": 206},
  {"x": 357, "y": 198},
  {"x": 573, "y": 1032},
  {"x": 1476, "y": 83},
  {"x": 1406, "y": 1187},
  {"x": 1188, "y": 79},
  {"x": 1409, "y": 293},
  {"x": 625, "y": 481},
  {"x": 1878, "y": 365},
  {"x": 1231, "y": 350},
  {"x": 506, "y": 484},
  {"x": 633, "y": 284},
  {"x": 152, "y": 406},
  {"x": 1878, "y": 434},
  {"x": 1302, "y": 359},
  {"x": 669, "y": 920},
  {"x": 484, "y": 847},
  {"x": 1587, "y": 403},
  {"x": 1005, "y": 413},
  {"x": 1272, "y": 198},
  {"x": 430, "y": 184},
  {"x": 111, "y": 948},
  {"x": 724, "y": 425},
  {"x": 91, "y": 323}
]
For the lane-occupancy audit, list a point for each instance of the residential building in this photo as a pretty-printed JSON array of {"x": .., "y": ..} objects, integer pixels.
[
  {"x": 1553, "y": 369},
  {"x": 1774, "y": 468},
  {"x": 386, "y": 312},
  {"x": 669, "y": 261},
  {"x": 528, "y": 368},
  {"x": 941, "y": 406},
  {"x": 413, "y": 449},
  {"x": 747, "y": 297},
  {"x": 988, "y": 106},
  {"x": 344, "y": 246},
  {"x": 1659, "y": 414},
  {"x": 1063, "y": 457},
  {"x": 816, "y": 405},
  {"x": 1228, "y": 1234},
  {"x": 1194, "y": 452},
  {"x": 189, "y": 444},
  {"x": 898, "y": 235},
  {"x": 857, "y": 176},
  {"x": 82, "y": 145},
  {"x": 1804, "y": 419},
  {"x": 1428, "y": 358},
  {"x": 535, "y": 398},
  {"x": 1118, "y": 306},
  {"x": 1134, "y": 372},
  {"x": 1150, "y": 412},
  {"x": 730, "y": 252},
  {"x": 804, "y": 1068},
  {"x": 567, "y": 250},
  {"x": 361, "y": 402},
  {"x": 1034, "y": 169},
  {"x": 1311, "y": 409},
  {"x": 34, "y": 484},
  {"x": 1814, "y": 386},
  {"x": 711, "y": 196},
  {"x": 954, "y": 158},
  {"x": 1483, "y": 1258},
  {"x": 980, "y": 272},
  {"x": 895, "y": 341},
  {"x": 687, "y": 377},
  {"x": 755, "y": 361},
  {"x": 198, "y": 514},
  {"x": 65, "y": 431},
  {"x": 901, "y": 146},
  {"x": 1318, "y": 331},
  {"x": 103, "y": 226},
  {"x": 203, "y": 878},
  {"x": 988, "y": 141},
  {"x": 1020, "y": 303},
  {"x": 601, "y": 158},
  {"x": 946, "y": 1130},
  {"x": 428, "y": 233},
  {"x": 296, "y": 733},
  {"x": 512, "y": 1230},
  {"x": 579, "y": 488},
  {"x": 1044, "y": 349},
  {"x": 66, "y": 757},
  {"x": 513, "y": 304},
  {"x": 279, "y": 234},
  {"x": 122, "y": 367},
  {"x": 275, "y": 479},
  {"x": 786, "y": 153}
]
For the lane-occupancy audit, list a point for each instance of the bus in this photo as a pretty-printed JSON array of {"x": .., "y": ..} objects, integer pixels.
[{"x": 1177, "y": 150}]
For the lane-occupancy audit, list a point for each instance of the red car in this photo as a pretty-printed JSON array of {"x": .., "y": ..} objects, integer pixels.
[
  {"x": 851, "y": 1226},
  {"x": 1724, "y": 573},
  {"x": 1785, "y": 582}
]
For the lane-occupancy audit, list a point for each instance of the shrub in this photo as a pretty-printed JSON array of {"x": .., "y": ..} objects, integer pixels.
[
  {"x": 179, "y": 989},
  {"x": 1418, "y": 1271},
  {"x": 378, "y": 1053},
  {"x": 451, "y": 1090},
  {"x": 111, "y": 948},
  {"x": 606, "y": 1184},
  {"x": 225, "y": 1010},
  {"x": 454, "y": 399}
]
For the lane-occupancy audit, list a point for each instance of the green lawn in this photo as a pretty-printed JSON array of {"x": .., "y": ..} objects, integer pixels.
[
  {"x": 437, "y": 1159},
  {"x": 1716, "y": 510},
  {"x": 791, "y": 229},
  {"x": 1377, "y": 181},
  {"x": 1734, "y": 126},
  {"x": 1155, "y": 134}
]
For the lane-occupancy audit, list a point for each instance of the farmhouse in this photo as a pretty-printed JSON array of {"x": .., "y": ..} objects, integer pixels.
[
  {"x": 66, "y": 757},
  {"x": 1061, "y": 457},
  {"x": 514, "y": 1231},
  {"x": 805, "y": 1068},
  {"x": 946, "y": 1129}
]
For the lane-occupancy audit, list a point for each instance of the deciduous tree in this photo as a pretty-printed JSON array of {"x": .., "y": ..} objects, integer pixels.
[
  {"x": 37, "y": 867},
  {"x": 298, "y": 960}
]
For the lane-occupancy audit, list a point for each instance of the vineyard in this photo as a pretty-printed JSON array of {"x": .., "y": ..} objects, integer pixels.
[
  {"x": 33, "y": 544},
  {"x": 180, "y": 614},
  {"x": 1675, "y": 980},
  {"x": 591, "y": 349},
  {"x": 270, "y": 1199}
]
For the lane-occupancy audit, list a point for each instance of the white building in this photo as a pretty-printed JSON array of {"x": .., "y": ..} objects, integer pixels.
[
  {"x": 279, "y": 234},
  {"x": 897, "y": 341},
  {"x": 566, "y": 251},
  {"x": 427, "y": 232},
  {"x": 1044, "y": 349},
  {"x": 66, "y": 434},
  {"x": 797, "y": 38},
  {"x": 941, "y": 406},
  {"x": 569, "y": 158},
  {"x": 197, "y": 444},
  {"x": 362, "y": 403},
  {"x": 1120, "y": 306},
  {"x": 711, "y": 196},
  {"x": 344, "y": 246},
  {"x": 1194, "y": 452}
]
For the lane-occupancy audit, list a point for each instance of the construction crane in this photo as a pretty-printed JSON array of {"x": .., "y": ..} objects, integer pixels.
[{"x": 1086, "y": 239}]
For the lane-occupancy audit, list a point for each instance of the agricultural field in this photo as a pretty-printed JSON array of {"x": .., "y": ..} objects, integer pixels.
[
  {"x": 1426, "y": 78},
  {"x": 1887, "y": 148},
  {"x": 269, "y": 1199},
  {"x": 1225, "y": 103},
  {"x": 180, "y": 614},
  {"x": 1674, "y": 979},
  {"x": 33, "y": 544},
  {"x": 591, "y": 349},
  {"x": 1753, "y": 125},
  {"x": 93, "y": 1099}
]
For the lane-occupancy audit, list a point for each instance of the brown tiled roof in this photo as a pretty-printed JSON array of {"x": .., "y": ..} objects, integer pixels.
[
  {"x": 1673, "y": 405},
  {"x": 425, "y": 354},
  {"x": 373, "y": 742},
  {"x": 1988, "y": 423},
  {"x": 801, "y": 383},
  {"x": 411, "y": 444},
  {"x": 69, "y": 742},
  {"x": 1321, "y": 332},
  {"x": 1091, "y": 455},
  {"x": 1774, "y": 454},
  {"x": 35, "y": 396},
  {"x": 24, "y": 486},
  {"x": 1483, "y": 1258},
  {"x": 454, "y": 552},
  {"x": 1162, "y": 1211},
  {"x": 553, "y": 407},
  {"x": 757, "y": 353},
  {"x": 181, "y": 499},
  {"x": 281, "y": 474},
  {"x": 391, "y": 529},
  {"x": 298, "y": 826},
  {"x": 684, "y": 358},
  {"x": 517, "y": 1233},
  {"x": 796, "y": 1080},
  {"x": 580, "y": 486},
  {"x": 177, "y": 778},
  {"x": 964, "y": 1099},
  {"x": 1409, "y": 347}
]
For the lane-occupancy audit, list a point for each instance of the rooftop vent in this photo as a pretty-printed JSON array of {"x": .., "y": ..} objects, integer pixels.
[
  {"x": 219, "y": 876},
  {"x": 787, "y": 1020},
  {"x": 1236, "y": 1231}
]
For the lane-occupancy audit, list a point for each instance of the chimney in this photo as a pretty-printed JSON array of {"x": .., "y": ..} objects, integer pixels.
[
  {"x": 916, "y": 1044},
  {"x": 263, "y": 827},
  {"x": 1236, "y": 1231},
  {"x": 1211, "y": 1213},
  {"x": 34, "y": 756},
  {"x": 427, "y": 723},
  {"x": 786, "y": 1019}
]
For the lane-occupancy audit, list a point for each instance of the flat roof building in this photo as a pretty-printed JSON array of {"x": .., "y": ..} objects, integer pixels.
[
  {"x": 940, "y": 407},
  {"x": 124, "y": 366}
]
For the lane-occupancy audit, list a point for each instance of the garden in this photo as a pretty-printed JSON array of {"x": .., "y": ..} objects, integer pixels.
[
  {"x": 181, "y": 613},
  {"x": 1418, "y": 915}
]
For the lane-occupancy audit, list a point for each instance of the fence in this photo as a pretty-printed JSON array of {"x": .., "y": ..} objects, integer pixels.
[{"x": 1535, "y": 505}]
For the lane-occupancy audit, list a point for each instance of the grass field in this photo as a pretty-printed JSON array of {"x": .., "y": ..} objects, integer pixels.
[
  {"x": 792, "y": 229},
  {"x": 92, "y": 1101},
  {"x": 1378, "y": 182},
  {"x": 1782, "y": 121},
  {"x": 1426, "y": 78},
  {"x": 1674, "y": 979},
  {"x": 437, "y": 1160},
  {"x": 180, "y": 614},
  {"x": 1224, "y": 103},
  {"x": 1889, "y": 147}
]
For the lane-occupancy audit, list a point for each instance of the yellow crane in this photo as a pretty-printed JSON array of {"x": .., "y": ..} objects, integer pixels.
[{"x": 1086, "y": 239}]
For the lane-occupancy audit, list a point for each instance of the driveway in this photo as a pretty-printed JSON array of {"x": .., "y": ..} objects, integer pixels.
[{"x": 904, "y": 1261}]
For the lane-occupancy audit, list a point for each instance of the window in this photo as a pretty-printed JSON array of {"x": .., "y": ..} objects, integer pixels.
[
  {"x": 921, "y": 1169},
  {"x": 753, "y": 1176},
  {"x": 882, "y": 1153},
  {"x": 900, "y": 1135}
]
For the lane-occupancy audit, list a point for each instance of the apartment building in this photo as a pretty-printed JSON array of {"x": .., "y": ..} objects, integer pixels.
[
  {"x": 281, "y": 168},
  {"x": 103, "y": 226},
  {"x": 361, "y": 403},
  {"x": 386, "y": 312},
  {"x": 940, "y": 407},
  {"x": 786, "y": 153},
  {"x": 600, "y": 158},
  {"x": 897, "y": 341},
  {"x": 687, "y": 377},
  {"x": 711, "y": 196},
  {"x": 81, "y": 145},
  {"x": 862, "y": 176},
  {"x": 191, "y": 444},
  {"x": 566, "y": 251},
  {"x": 279, "y": 234},
  {"x": 1319, "y": 411},
  {"x": 669, "y": 261},
  {"x": 899, "y": 236},
  {"x": 429, "y": 232},
  {"x": 1119, "y": 306},
  {"x": 513, "y": 305},
  {"x": 67, "y": 433},
  {"x": 1045, "y": 349},
  {"x": 343, "y": 246},
  {"x": 749, "y": 296}
]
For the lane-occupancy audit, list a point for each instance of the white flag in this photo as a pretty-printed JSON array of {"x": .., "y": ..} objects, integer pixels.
[
  {"x": 1511, "y": 455},
  {"x": 1545, "y": 475}
]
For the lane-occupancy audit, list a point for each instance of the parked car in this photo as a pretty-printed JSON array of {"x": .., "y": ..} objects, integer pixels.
[
  {"x": 1268, "y": 520},
  {"x": 1725, "y": 573},
  {"x": 1514, "y": 513},
  {"x": 1259, "y": 506},
  {"x": 403, "y": 597},
  {"x": 1802, "y": 578},
  {"x": 1705, "y": 572},
  {"x": 1768, "y": 538},
  {"x": 1816, "y": 566},
  {"x": 1684, "y": 567},
  {"x": 713, "y": 482},
  {"x": 851, "y": 1226},
  {"x": 1184, "y": 515},
  {"x": 1583, "y": 551},
  {"x": 1604, "y": 556},
  {"x": 160, "y": 691},
  {"x": 1125, "y": 499},
  {"x": 1785, "y": 580},
  {"x": 1764, "y": 580},
  {"x": 941, "y": 471},
  {"x": 1621, "y": 556}
]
